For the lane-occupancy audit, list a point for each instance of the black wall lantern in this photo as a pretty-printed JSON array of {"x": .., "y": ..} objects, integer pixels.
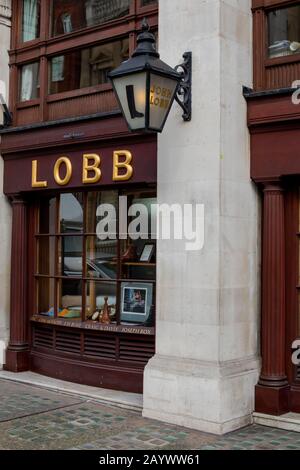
[{"x": 146, "y": 86}]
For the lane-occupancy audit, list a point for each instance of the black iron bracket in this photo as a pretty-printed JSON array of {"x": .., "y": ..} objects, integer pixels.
[{"x": 184, "y": 92}]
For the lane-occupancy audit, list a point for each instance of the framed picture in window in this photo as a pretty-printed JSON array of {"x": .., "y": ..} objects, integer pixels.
[
  {"x": 136, "y": 302},
  {"x": 147, "y": 253}
]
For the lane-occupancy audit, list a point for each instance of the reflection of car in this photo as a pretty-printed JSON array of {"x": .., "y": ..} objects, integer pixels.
[{"x": 97, "y": 270}]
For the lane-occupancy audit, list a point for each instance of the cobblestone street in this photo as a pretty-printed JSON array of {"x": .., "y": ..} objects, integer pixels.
[{"x": 35, "y": 418}]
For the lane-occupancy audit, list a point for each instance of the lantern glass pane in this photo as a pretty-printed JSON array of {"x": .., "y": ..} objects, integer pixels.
[
  {"x": 131, "y": 91},
  {"x": 162, "y": 91}
]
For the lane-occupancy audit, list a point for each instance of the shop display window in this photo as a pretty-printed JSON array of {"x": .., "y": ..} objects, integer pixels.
[
  {"x": 284, "y": 32},
  {"x": 91, "y": 265}
]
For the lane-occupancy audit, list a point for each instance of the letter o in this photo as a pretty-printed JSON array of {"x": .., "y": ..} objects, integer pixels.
[{"x": 68, "y": 176}]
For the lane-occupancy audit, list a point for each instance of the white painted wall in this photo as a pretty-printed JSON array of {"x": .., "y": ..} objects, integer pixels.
[
  {"x": 5, "y": 214},
  {"x": 205, "y": 368}
]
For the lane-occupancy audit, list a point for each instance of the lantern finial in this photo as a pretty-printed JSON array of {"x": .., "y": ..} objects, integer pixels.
[
  {"x": 145, "y": 25},
  {"x": 145, "y": 42}
]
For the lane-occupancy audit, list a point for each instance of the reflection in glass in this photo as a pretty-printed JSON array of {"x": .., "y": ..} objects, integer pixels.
[
  {"x": 95, "y": 298},
  {"x": 31, "y": 20},
  {"x": 47, "y": 215},
  {"x": 46, "y": 256},
  {"x": 68, "y": 16},
  {"x": 147, "y": 2},
  {"x": 69, "y": 299},
  {"x": 70, "y": 256},
  {"x": 71, "y": 212},
  {"x": 86, "y": 67},
  {"x": 45, "y": 296},
  {"x": 284, "y": 31},
  {"x": 96, "y": 213},
  {"x": 30, "y": 82},
  {"x": 101, "y": 258}
]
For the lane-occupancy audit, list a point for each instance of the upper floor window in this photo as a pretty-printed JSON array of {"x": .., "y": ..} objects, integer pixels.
[
  {"x": 86, "y": 67},
  {"x": 68, "y": 15},
  {"x": 30, "y": 86},
  {"x": 30, "y": 20},
  {"x": 284, "y": 31}
]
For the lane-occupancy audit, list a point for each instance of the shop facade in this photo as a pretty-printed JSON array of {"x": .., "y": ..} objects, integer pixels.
[
  {"x": 199, "y": 349},
  {"x": 273, "y": 120},
  {"x": 193, "y": 348},
  {"x": 82, "y": 307}
]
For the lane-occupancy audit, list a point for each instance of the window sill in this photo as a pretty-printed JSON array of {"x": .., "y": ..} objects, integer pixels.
[
  {"x": 96, "y": 326},
  {"x": 28, "y": 104},
  {"x": 287, "y": 59},
  {"x": 78, "y": 93}
]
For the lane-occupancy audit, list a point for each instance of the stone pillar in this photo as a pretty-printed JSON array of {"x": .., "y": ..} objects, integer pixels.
[
  {"x": 206, "y": 365},
  {"x": 272, "y": 389},
  {"x": 5, "y": 210},
  {"x": 17, "y": 354}
]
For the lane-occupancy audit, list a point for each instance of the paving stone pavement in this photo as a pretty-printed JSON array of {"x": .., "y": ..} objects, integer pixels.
[{"x": 35, "y": 418}]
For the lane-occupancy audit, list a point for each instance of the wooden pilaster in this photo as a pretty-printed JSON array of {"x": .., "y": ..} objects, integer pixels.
[
  {"x": 272, "y": 390},
  {"x": 17, "y": 354}
]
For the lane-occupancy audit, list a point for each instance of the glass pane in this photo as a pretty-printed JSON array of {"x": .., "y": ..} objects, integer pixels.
[
  {"x": 70, "y": 256},
  {"x": 137, "y": 303},
  {"x": 102, "y": 209},
  {"x": 31, "y": 20},
  {"x": 30, "y": 82},
  {"x": 147, "y": 2},
  {"x": 162, "y": 92},
  {"x": 69, "y": 299},
  {"x": 47, "y": 215},
  {"x": 95, "y": 299},
  {"x": 86, "y": 67},
  {"x": 71, "y": 212},
  {"x": 132, "y": 96},
  {"x": 45, "y": 297},
  {"x": 284, "y": 31},
  {"x": 68, "y": 15},
  {"x": 101, "y": 258},
  {"x": 138, "y": 252},
  {"x": 46, "y": 256}
]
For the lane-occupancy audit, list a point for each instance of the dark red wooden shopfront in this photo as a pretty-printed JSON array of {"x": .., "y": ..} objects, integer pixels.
[
  {"x": 274, "y": 123},
  {"x": 111, "y": 356}
]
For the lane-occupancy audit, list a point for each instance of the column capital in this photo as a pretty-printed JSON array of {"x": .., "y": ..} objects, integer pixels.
[
  {"x": 17, "y": 199},
  {"x": 5, "y": 12},
  {"x": 273, "y": 186}
]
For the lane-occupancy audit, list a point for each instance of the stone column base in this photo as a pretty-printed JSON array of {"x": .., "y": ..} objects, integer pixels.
[{"x": 211, "y": 397}]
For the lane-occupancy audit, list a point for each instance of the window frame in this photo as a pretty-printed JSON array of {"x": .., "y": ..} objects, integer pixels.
[
  {"x": 264, "y": 67},
  {"x": 51, "y": 97},
  {"x": 57, "y": 277},
  {"x": 45, "y": 47},
  {"x": 269, "y": 61},
  {"x": 20, "y": 41}
]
